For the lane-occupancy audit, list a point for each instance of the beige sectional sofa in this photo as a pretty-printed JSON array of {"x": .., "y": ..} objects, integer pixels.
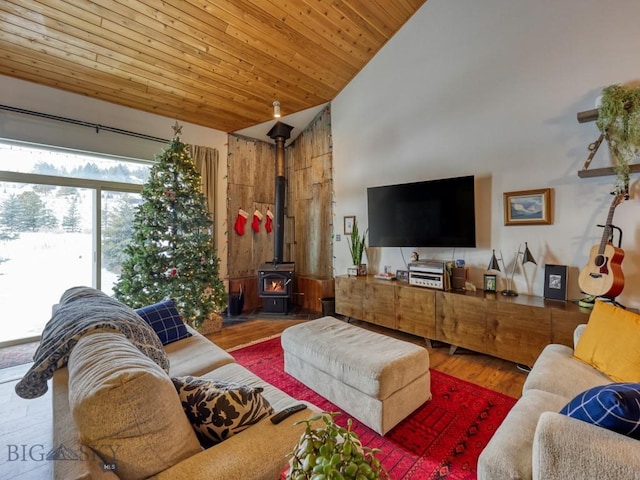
[
  {"x": 139, "y": 398},
  {"x": 536, "y": 442}
]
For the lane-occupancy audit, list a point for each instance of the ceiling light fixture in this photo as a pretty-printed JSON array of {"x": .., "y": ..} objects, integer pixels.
[{"x": 276, "y": 109}]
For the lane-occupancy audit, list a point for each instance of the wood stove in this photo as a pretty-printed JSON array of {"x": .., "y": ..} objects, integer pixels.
[
  {"x": 275, "y": 279},
  {"x": 275, "y": 286}
]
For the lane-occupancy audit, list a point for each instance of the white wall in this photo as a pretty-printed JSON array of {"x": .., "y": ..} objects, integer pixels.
[
  {"x": 30, "y": 96},
  {"x": 492, "y": 89}
]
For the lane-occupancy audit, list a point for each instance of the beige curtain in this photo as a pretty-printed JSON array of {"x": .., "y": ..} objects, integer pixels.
[{"x": 206, "y": 160}]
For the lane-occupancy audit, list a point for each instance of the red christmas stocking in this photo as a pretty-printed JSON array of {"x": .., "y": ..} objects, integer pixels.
[
  {"x": 268, "y": 221},
  {"x": 257, "y": 218},
  {"x": 241, "y": 221}
]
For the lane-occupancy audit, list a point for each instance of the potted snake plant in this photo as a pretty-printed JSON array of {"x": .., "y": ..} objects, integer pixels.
[{"x": 356, "y": 249}]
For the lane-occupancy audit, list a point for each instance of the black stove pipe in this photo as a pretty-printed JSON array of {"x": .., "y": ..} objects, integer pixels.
[
  {"x": 278, "y": 231},
  {"x": 280, "y": 132}
]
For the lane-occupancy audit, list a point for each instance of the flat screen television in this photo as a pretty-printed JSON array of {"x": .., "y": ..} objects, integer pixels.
[{"x": 433, "y": 213}]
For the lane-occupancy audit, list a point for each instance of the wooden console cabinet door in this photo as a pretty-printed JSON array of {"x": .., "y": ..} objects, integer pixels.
[
  {"x": 379, "y": 303},
  {"x": 416, "y": 310},
  {"x": 350, "y": 297},
  {"x": 517, "y": 332},
  {"x": 564, "y": 322},
  {"x": 460, "y": 320}
]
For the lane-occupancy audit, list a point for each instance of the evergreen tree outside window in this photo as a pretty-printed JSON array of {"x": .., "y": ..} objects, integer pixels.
[
  {"x": 60, "y": 228},
  {"x": 71, "y": 221}
]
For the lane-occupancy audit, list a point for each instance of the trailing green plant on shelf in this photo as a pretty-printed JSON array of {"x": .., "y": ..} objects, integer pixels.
[
  {"x": 619, "y": 121},
  {"x": 356, "y": 244},
  {"x": 332, "y": 452}
]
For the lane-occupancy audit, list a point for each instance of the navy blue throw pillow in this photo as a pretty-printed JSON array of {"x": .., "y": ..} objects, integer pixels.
[
  {"x": 615, "y": 406},
  {"x": 165, "y": 321}
]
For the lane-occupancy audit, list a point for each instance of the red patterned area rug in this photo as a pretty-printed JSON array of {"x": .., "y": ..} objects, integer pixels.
[{"x": 440, "y": 440}]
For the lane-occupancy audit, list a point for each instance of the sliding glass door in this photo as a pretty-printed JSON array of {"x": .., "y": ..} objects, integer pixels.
[
  {"x": 116, "y": 220},
  {"x": 63, "y": 223}
]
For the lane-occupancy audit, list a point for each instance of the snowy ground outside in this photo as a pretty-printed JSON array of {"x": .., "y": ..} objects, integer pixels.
[{"x": 42, "y": 266}]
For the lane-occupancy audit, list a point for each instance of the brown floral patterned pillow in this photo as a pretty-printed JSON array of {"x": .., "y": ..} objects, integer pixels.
[{"x": 217, "y": 410}]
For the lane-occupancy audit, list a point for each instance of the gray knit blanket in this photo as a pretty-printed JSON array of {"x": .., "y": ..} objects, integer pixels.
[{"x": 81, "y": 310}]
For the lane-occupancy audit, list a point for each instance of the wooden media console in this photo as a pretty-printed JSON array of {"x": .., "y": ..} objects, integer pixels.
[{"x": 511, "y": 328}]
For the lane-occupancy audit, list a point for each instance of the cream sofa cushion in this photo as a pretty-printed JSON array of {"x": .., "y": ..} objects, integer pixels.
[
  {"x": 195, "y": 355},
  {"x": 126, "y": 407},
  {"x": 569, "y": 378}
]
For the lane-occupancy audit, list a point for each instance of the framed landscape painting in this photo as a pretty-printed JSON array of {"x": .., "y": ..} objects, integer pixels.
[{"x": 527, "y": 207}]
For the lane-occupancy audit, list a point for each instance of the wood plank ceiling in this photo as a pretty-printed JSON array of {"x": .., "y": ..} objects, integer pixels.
[{"x": 216, "y": 63}]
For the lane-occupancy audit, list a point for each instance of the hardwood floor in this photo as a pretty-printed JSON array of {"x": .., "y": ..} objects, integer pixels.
[
  {"x": 250, "y": 331},
  {"x": 28, "y": 423},
  {"x": 26, "y": 435}
]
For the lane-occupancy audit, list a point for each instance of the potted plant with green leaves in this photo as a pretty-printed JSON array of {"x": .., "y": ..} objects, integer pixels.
[
  {"x": 356, "y": 249},
  {"x": 332, "y": 452},
  {"x": 619, "y": 121}
]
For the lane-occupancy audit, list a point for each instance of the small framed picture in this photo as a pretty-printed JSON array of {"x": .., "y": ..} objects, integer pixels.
[
  {"x": 555, "y": 282},
  {"x": 348, "y": 224},
  {"x": 527, "y": 207},
  {"x": 402, "y": 275},
  {"x": 490, "y": 283}
]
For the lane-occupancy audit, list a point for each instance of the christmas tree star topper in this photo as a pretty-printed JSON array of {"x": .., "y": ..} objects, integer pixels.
[{"x": 177, "y": 129}]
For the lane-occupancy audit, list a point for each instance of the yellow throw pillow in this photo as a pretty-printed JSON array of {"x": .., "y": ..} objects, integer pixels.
[{"x": 611, "y": 342}]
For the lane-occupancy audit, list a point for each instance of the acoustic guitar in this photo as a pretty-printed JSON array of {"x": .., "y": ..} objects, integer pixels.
[{"x": 602, "y": 276}]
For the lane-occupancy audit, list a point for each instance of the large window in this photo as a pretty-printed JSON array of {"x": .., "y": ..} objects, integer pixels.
[{"x": 65, "y": 218}]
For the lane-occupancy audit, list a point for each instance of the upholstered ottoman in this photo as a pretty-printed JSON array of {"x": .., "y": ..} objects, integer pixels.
[{"x": 377, "y": 379}]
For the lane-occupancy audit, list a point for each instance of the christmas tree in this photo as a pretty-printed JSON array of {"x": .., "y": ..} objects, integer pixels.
[{"x": 171, "y": 252}]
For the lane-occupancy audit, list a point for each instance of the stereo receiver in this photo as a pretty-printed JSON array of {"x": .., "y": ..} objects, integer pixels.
[{"x": 427, "y": 273}]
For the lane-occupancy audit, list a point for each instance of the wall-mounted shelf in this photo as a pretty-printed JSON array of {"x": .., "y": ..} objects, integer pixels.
[
  {"x": 592, "y": 116},
  {"x": 603, "y": 172},
  {"x": 588, "y": 116}
]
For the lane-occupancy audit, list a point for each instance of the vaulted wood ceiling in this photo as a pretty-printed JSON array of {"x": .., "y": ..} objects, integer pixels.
[{"x": 216, "y": 63}]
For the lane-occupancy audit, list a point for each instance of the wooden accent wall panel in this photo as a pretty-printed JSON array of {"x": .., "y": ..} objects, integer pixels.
[
  {"x": 308, "y": 291},
  {"x": 248, "y": 163},
  {"x": 321, "y": 168},
  {"x": 308, "y": 207},
  {"x": 242, "y": 250},
  {"x": 309, "y": 198},
  {"x": 250, "y": 286},
  {"x": 314, "y": 233},
  {"x": 264, "y": 175}
]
